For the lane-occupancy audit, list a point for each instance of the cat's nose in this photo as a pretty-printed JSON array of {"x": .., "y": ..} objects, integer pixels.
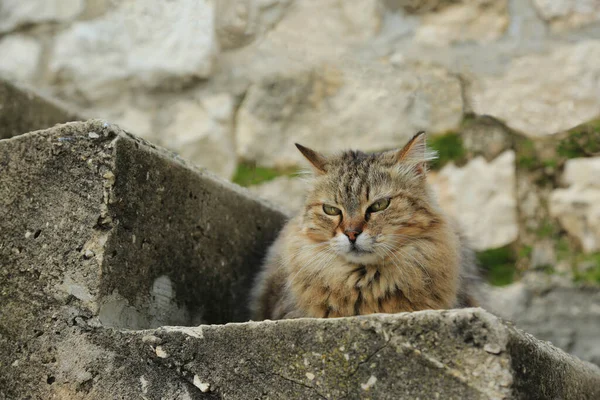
[{"x": 352, "y": 234}]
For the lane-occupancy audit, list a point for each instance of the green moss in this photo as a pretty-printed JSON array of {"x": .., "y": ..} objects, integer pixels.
[
  {"x": 581, "y": 141},
  {"x": 248, "y": 174},
  {"x": 563, "y": 249},
  {"x": 449, "y": 147},
  {"x": 525, "y": 251},
  {"x": 499, "y": 264},
  {"x": 526, "y": 154},
  {"x": 587, "y": 268},
  {"x": 547, "y": 229}
]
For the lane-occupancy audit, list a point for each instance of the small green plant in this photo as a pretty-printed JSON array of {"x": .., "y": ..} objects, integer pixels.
[
  {"x": 449, "y": 147},
  {"x": 499, "y": 265},
  {"x": 587, "y": 268},
  {"x": 526, "y": 154},
  {"x": 248, "y": 174},
  {"x": 546, "y": 229},
  {"x": 581, "y": 141},
  {"x": 525, "y": 251}
]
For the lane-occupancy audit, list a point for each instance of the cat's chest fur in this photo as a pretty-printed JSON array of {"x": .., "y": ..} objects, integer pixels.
[{"x": 347, "y": 289}]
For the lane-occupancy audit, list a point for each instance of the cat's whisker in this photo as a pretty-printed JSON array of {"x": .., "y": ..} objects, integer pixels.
[
  {"x": 393, "y": 252},
  {"x": 419, "y": 264},
  {"x": 317, "y": 262}
]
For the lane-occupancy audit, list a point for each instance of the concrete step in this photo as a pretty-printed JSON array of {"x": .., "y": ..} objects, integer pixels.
[
  {"x": 455, "y": 354},
  {"x": 106, "y": 241},
  {"x": 23, "y": 110}
]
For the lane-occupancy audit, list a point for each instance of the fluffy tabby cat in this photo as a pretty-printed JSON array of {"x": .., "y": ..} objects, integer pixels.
[{"x": 371, "y": 238}]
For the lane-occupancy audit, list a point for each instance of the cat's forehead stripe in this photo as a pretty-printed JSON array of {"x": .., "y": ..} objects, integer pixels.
[{"x": 354, "y": 177}]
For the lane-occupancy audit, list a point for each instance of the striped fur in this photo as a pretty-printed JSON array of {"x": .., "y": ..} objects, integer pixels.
[{"x": 407, "y": 257}]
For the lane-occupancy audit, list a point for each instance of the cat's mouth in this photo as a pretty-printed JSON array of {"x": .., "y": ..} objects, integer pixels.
[
  {"x": 356, "y": 250},
  {"x": 360, "y": 256}
]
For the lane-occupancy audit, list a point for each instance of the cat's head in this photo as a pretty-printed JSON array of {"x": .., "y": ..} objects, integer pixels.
[{"x": 365, "y": 206}]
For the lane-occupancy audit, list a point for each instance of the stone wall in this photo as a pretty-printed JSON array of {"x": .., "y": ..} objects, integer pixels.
[{"x": 231, "y": 84}]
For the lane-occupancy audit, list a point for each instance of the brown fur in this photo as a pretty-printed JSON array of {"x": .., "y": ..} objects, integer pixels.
[{"x": 407, "y": 257}]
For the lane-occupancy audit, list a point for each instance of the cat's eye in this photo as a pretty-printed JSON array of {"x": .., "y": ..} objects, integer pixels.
[
  {"x": 330, "y": 210},
  {"x": 379, "y": 205}
]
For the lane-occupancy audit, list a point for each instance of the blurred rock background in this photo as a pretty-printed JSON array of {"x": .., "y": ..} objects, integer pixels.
[{"x": 508, "y": 90}]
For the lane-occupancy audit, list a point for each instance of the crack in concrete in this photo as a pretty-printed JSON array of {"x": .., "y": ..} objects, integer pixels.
[
  {"x": 312, "y": 388},
  {"x": 453, "y": 373},
  {"x": 285, "y": 378}
]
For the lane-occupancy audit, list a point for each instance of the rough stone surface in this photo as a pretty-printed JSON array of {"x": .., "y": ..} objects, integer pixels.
[
  {"x": 485, "y": 136},
  {"x": 578, "y": 206},
  {"x": 85, "y": 241},
  {"x": 202, "y": 132},
  {"x": 105, "y": 211},
  {"x": 554, "y": 309},
  {"x": 314, "y": 27},
  {"x": 489, "y": 213},
  {"x": 480, "y": 20},
  {"x": 288, "y": 193},
  {"x": 16, "y": 13},
  {"x": 544, "y": 93},
  {"x": 20, "y": 58},
  {"x": 137, "y": 44},
  {"x": 465, "y": 354},
  {"x": 239, "y": 22},
  {"x": 334, "y": 109},
  {"x": 568, "y": 14},
  {"x": 22, "y": 110}
]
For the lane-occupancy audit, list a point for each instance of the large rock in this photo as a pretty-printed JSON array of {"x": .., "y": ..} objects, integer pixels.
[
  {"x": 20, "y": 58},
  {"x": 146, "y": 44},
  {"x": 201, "y": 131},
  {"x": 480, "y": 20},
  {"x": 335, "y": 108},
  {"x": 554, "y": 309},
  {"x": 17, "y": 13},
  {"x": 543, "y": 94},
  {"x": 568, "y": 14},
  {"x": 239, "y": 22},
  {"x": 314, "y": 26},
  {"x": 486, "y": 136},
  {"x": 578, "y": 206},
  {"x": 488, "y": 213},
  {"x": 22, "y": 110},
  {"x": 310, "y": 33}
]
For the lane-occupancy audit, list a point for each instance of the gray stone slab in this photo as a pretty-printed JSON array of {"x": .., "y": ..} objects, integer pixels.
[
  {"x": 22, "y": 110},
  {"x": 95, "y": 220},
  {"x": 455, "y": 354}
]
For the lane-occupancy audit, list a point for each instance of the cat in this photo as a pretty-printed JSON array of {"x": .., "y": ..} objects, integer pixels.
[{"x": 371, "y": 238}]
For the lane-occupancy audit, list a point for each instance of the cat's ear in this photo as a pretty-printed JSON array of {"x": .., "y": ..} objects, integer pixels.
[
  {"x": 415, "y": 153},
  {"x": 318, "y": 161}
]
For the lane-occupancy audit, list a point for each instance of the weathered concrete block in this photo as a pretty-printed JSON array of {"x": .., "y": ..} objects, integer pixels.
[
  {"x": 22, "y": 110},
  {"x": 95, "y": 220},
  {"x": 456, "y": 354}
]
